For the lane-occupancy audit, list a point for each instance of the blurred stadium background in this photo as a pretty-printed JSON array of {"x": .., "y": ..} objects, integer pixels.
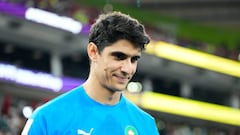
[{"x": 188, "y": 79}]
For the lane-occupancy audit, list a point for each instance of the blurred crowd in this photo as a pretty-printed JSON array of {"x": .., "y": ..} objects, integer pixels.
[{"x": 11, "y": 117}]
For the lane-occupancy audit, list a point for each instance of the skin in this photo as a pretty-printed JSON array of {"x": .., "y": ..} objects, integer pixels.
[{"x": 111, "y": 70}]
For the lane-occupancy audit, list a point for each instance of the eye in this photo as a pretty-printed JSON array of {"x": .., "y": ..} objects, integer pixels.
[
  {"x": 119, "y": 55},
  {"x": 135, "y": 59}
]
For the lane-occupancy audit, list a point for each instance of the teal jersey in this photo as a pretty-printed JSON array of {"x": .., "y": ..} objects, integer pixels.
[{"x": 75, "y": 113}]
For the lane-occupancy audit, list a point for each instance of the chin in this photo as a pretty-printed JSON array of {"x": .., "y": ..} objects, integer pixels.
[{"x": 116, "y": 89}]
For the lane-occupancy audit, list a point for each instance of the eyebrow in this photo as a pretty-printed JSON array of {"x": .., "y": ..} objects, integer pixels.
[{"x": 124, "y": 54}]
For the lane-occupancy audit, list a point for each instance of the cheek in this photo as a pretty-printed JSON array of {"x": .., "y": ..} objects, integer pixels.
[
  {"x": 108, "y": 68},
  {"x": 134, "y": 68},
  {"x": 113, "y": 65}
]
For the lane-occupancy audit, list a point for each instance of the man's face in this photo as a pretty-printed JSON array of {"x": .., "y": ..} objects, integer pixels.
[{"x": 116, "y": 65}]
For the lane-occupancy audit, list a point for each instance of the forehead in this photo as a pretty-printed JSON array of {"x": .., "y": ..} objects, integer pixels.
[{"x": 123, "y": 46}]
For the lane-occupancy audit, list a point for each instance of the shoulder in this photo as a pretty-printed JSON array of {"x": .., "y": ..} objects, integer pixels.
[
  {"x": 138, "y": 111},
  {"x": 59, "y": 103},
  {"x": 44, "y": 118}
]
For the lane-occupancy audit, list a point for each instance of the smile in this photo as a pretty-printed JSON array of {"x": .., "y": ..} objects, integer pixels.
[{"x": 122, "y": 79}]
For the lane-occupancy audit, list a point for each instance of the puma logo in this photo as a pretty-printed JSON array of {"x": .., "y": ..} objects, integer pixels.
[{"x": 81, "y": 132}]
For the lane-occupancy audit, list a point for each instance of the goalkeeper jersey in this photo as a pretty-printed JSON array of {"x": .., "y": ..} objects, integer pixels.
[{"x": 75, "y": 113}]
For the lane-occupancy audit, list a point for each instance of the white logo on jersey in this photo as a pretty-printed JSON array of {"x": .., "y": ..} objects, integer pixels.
[{"x": 81, "y": 132}]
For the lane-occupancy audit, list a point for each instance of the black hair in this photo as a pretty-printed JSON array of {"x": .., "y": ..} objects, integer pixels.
[{"x": 114, "y": 26}]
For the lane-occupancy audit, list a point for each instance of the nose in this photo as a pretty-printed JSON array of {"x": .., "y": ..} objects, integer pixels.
[{"x": 128, "y": 67}]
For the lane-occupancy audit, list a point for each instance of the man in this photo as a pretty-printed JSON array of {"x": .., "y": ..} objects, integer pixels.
[{"x": 98, "y": 107}]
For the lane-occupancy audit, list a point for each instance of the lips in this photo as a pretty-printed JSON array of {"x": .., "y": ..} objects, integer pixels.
[{"x": 122, "y": 79}]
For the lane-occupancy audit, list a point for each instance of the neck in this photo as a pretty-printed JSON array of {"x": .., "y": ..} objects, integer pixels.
[{"x": 101, "y": 94}]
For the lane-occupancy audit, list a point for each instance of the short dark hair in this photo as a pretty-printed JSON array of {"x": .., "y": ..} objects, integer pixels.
[{"x": 114, "y": 26}]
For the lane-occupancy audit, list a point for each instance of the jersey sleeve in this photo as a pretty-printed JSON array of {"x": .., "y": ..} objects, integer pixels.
[{"x": 35, "y": 126}]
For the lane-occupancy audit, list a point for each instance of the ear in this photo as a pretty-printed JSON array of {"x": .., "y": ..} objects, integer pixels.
[{"x": 92, "y": 51}]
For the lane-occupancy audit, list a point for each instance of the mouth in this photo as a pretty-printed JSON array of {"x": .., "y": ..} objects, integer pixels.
[{"x": 122, "y": 79}]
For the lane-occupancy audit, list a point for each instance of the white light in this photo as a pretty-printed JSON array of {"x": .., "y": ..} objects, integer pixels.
[
  {"x": 134, "y": 87},
  {"x": 27, "y": 77},
  {"x": 27, "y": 111},
  {"x": 53, "y": 19}
]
